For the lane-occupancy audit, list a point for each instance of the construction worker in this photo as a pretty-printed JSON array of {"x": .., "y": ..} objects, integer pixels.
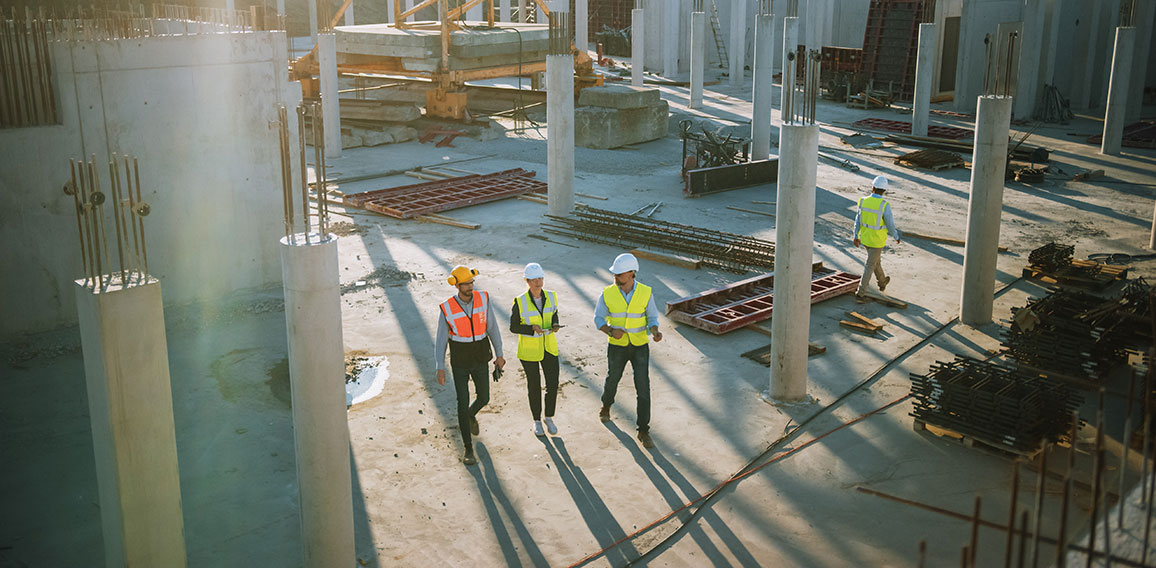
[
  {"x": 873, "y": 222},
  {"x": 625, "y": 312},
  {"x": 462, "y": 324},
  {"x": 534, "y": 318}
]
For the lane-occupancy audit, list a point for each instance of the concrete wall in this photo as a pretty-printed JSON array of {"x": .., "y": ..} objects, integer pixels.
[
  {"x": 849, "y": 23},
  {"x": 979, "y": 18},
  {"x": 196, "y": 110}
]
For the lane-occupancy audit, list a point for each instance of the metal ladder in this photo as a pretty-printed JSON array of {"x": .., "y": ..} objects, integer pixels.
[{"x": 718, "y": 42}]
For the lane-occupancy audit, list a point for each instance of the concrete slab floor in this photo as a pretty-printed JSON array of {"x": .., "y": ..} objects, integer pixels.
[{"x": 560, "y": 500}]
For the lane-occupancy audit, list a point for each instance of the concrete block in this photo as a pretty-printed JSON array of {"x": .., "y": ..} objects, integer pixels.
[
  {"x": 619, "y": 96},
  {"x": 602, "y": 128}
]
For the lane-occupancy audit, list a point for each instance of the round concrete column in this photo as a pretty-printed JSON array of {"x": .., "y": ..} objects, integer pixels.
[
  {"x": 1118, "y": 88},
  {"x": 330, "y": 107},
  {"x": 924, "y": 66},
  {"x": 637, "y": 45},
  {"x": 738, "y": 41},
  {"x": 697, "y": 57},
  {"x": 790, "y": 44},
  {"x": 763, "y": 86},
  {"x": 581, "y": 24},
  {"x": 317, "y": 383},
  {"x": 794, "y": 239},
  {"x": 560, "y": 133},
  {"x": 993, "y": 116}
]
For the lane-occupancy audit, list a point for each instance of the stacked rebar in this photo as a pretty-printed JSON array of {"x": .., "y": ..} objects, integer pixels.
[
  {"x": 1079, "y": 334},
  {"x": 1051, "y": 257},
  {"x": 992, "y": 404},
  {"x": 727, "y": 251},
  {"x": 128, "y": 210}
]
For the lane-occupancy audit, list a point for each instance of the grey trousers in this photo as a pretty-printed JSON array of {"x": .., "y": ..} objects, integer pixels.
[{"x": 874, "y": 266}]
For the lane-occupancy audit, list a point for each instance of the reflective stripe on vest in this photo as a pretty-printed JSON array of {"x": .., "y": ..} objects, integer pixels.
[
  {"x": 534, "y": 347},
  {"x": 467, "y": 328},
  {"x": 630, "y": 318},
  {"x": 872, "y": 230}
]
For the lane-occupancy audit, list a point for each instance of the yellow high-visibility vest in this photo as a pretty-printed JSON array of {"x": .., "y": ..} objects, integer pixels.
[
  {"x": 534, "y": 347},
  {"x": 872, "y": 230},
  {"x": 630, "y": 318}
]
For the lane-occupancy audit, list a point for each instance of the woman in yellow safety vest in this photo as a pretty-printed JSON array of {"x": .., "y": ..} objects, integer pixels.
[{"x": 534, "y": 318}]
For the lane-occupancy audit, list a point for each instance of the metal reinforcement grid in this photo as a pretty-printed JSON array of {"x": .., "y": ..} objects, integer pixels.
[
  {"x": 997, "y": 406},
  {"x": 727, "y": 251}
]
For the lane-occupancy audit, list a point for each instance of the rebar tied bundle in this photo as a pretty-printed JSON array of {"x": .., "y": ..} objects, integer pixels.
[
  {"x": 728, "y": 251},
  {"x": 998, "y": 406}
]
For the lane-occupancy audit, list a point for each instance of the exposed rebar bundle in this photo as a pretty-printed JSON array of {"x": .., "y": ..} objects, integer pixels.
[
  {"x": 95, "y": 22},
  {"x": 27, "y": 91},
  {"x": 128, "y": 210},
  {"x": 808, "y": 92},
  {"x": 560, "y": 32},
  {"x": 727, "y": 251},
  {"x": 1002, "y": 64},
  {"x": 309, "y": 117}
]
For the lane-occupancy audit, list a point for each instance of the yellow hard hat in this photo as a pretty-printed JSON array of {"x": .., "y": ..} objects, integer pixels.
[{"x": 461, "y": 275}]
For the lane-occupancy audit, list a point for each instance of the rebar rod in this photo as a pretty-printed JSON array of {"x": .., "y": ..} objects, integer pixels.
[
  {"x": 142, "y": 210},
  {"x": 1062, "y": 531},
  {"x": 974, "y": 546},
  {"x": 72, "y": 190},
  {"x": 114, "y": 188},
  {"x": 304, "y": 172},
  {"x": 1041, "y": 482},
  {"x": 1011, "y": 521},
  {"x": 133, "y": 220},
  {"x": 286, "y": 170},
  {"x": 1097, "y": 459}
]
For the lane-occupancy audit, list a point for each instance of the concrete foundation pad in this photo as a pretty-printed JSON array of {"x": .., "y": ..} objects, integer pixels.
[
  {"x": 511, "y": 41},
  {"x": 601, "y": 128},
  {"x": 619, "y": 96}
]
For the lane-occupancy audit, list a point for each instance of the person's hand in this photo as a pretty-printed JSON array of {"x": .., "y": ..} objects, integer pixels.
[
  {"x": 617, "y": 333},
  {"x": 555, "y": 328},
  {"x": 500, "y": 362},
  {"x": 657, "y": 336},
  {"x": 537, "y": 330},
  {"x": 857, "y": 242},
  {"x": 442, "y": 377}
]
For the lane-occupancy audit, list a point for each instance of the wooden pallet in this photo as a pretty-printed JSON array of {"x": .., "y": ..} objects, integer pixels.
[
  {"x": 1100, "y": 277},
  {"x": 1002, "y": 450}
]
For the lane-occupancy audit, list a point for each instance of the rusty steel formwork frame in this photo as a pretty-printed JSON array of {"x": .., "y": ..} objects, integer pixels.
[
  {"x": 411, "y": 201},
  {"x": 891, "y": 43},
  {"x": 749, "y": 301}
]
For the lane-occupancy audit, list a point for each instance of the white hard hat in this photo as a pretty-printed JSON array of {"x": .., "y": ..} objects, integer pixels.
[
  {"x": 533, "y": 270},
  {"x": 625, "y": 262},
  {"x": 879, "y": 182}
]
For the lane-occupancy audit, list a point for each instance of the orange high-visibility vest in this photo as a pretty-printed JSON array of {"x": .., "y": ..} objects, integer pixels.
[{"x": 467, "y": 328}]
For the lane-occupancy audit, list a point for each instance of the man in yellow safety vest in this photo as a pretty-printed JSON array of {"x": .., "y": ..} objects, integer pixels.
[
  {"x": 873, "y": 222},
  {"x": 625, "y": 313}
]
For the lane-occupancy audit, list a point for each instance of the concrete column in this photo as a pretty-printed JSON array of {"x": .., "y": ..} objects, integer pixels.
[
  {"x": 316, "y": 371},
  {"x": 993, "y": 117},
  {"x": 764, "y": 87},
  {"x": 924, "y": 67},
  {"x": 1118, "y": 87},
  {"x": 1141, "y": 52},
  {"x": 540, "y": 15},
  {"x": 523, "y": 10},
  {"x": 349, "y": 15},
  {"x": 670, "y": 40},
  {"x": 697, "y": 57},
  {"x": 312, "y": 5},
  {"x": 330, "y": 107},
  {"x": 1082, "y": 84},
  {"x": 231, "y": 6},
  {"x": 560, "y": 133},
  {"x": 1051, "y": 42},
  {"x": 130, "y": 402},
  {"x": 581, "y": 25},
  {"x": 475, "y": 14},
  {"x": 794, "y": 239},
  {"x": 504, "y": 10},
  {"x": 637, "y": 45},
  {"x": 790, "y": 44},
  {"x": 1028, "y": 84},
  {"x": 813, "y": 25},
  {"x": 737, "y": 45},
  {"x": 280, "y": 7}
]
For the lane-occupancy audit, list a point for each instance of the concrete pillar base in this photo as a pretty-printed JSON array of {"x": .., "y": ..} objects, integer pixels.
[
  {"x": 130, "y": 400},
  {"x": 316, "y": 378}
]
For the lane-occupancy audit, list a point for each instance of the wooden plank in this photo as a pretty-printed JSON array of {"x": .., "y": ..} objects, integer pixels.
[
  {"x": 886, "y": 300},
  {"x": 864, "y": 320},
  {"x": 861, "y": 327},
  {"x": 534, "y": 198},
  {"x": 750, "y": 211},
  {"x": 946, "y": 240},
  {"x": 446, "y": 221},
  {"x": 667, "y": 259}
]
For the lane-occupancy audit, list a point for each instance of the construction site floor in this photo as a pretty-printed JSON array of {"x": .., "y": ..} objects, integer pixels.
[{"x": 592, "y": 495}]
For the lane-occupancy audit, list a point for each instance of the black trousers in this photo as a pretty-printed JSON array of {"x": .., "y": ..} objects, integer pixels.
[
  {"x": 462, "y": 375},
  {"x": 549, "y": 364},
  {"x": 639, "y": 358}
]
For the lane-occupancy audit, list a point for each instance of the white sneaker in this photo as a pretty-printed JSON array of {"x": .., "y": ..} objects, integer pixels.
[
  {"x": 538, "y": 428},
  {"x": 550, "y": 426}
]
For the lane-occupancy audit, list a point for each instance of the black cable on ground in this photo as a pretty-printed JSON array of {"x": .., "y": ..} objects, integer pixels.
[{"x": 755, "y": 464}]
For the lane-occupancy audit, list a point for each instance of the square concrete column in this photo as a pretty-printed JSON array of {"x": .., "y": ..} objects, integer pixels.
[
  {"x": 697, "y": 57},
  {"x": 560, "y": 133},
  {"x": 130, "y": 401},
  {"x": 280, "y": 7},
  {"x": 763, "y": 86},
  {"x": 985, "y": 209},
  {"x": 312, "y": 9},
  {"x": 670, "y": 39},
  {"x": 349, "y": 15},
  {"x": 504, "y": 10},
  {"x": 330, "y": 106},
  {"x": 637, "y": 45},
  {"x": 738, "y": 43},
  {"x": 924, "y": 66},
  {"x": 581, "y": 25},
  {"x": 1118, "y": 89}
]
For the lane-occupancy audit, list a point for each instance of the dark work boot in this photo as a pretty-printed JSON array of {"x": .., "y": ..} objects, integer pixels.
[
  {"x": 884, "y": 282},
  {"x": 604, "y": 414},
  {"x": 644, "y": 437},
  {"x": 469, "y": 458}
]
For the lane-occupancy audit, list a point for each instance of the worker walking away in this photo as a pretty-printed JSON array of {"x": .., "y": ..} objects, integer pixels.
[
  {"x": 625, "y": 312},
  {"x": 534, "y": 318},
  {"x": 463, "y": 324},
  {"x": 873, "y": 222}
]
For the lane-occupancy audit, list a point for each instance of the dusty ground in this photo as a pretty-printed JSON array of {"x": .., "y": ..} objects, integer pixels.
[{"x": 592, "y": 492}]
